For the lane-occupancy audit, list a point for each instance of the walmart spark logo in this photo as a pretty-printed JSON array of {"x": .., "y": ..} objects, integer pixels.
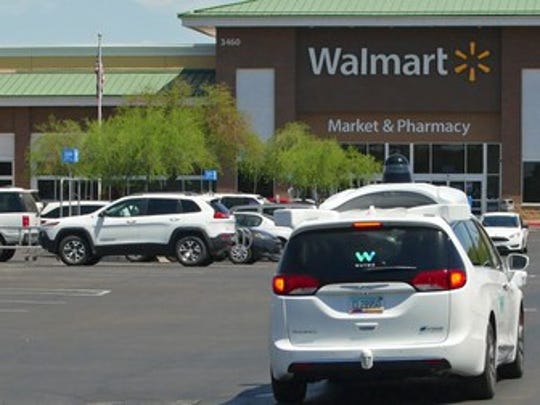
[
  {"x": 472, "y": 62},
  {"x": 365, "y": 256}
]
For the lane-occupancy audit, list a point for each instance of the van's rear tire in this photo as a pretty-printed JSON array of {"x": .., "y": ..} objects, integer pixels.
[
  {"x": 289, "y": 391},
  {"x": 483, "y": 386}
]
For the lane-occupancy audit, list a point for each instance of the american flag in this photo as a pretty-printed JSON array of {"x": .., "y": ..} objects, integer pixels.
[{"x": 100, "y": 77}]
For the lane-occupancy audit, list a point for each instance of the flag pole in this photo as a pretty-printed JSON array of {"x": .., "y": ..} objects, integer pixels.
[{"x": 99, "y": 79}]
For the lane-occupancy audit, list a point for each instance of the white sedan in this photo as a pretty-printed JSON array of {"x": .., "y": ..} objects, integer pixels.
[
  {"x": 262, "y": 222},
  {"x": 507, "y": 231}
]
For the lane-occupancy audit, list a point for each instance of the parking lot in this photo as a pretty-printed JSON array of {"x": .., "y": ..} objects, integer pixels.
[{"x": 160, "y": 333}]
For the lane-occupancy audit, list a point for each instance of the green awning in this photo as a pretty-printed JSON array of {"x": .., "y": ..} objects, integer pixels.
[
  {"x": 117, "y": 84},
  {"x": 287, "y": 8}
]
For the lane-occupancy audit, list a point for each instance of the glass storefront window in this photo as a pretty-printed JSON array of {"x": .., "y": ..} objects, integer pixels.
[
  {"x": 531, "y": 182},
  {"x": 493, "y": 159},
  {"x": 402, "y": 149},
  {"x": 377, "y": 151},
  {"x": 6, "y": 169},
  {"x": 474, "y": 158},
  {"x": 421, "y": 158},
  {"x": 448, "y": 158},
  {"x": 493, "y": 187}
]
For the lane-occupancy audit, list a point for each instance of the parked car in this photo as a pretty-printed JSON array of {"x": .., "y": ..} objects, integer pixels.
[
  {"x": 414, "y": 290},
  {"x": 230, "y": 200},
  {"x": 507, "y": 230},
  {"x": 194, "y": 229},
  {"x": 251, "y": 245},
  {"x": 253, "y": 220},
  {"x": 18, "y": 220},
  {"x": 270, "y": 208},
  {"x": 60, "y": 209}
]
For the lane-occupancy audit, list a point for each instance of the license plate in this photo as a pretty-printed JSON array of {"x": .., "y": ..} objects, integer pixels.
[{"x": 369, "y": 304}]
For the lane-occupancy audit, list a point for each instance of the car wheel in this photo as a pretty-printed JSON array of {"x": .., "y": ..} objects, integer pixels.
[
  {"x": 191, "y": 251},
  {"x": 140, "y": 258},
  {"x": 240, "y": 254},
  {"x": 291, "y": 391},
  {"x": 483, "y": 386},
  {"x": 5, "y": 254},
  {"x": 515, "y": 369},
  {"x": 74, "y": 250}
]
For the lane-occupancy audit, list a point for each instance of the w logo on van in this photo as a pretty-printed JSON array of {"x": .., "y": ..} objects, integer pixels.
[{"x": 365, "y": 256}]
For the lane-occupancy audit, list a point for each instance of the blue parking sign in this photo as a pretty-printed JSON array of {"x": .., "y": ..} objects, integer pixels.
[
  {"x": 70, "y": 155},
  {"x": 210, "y": 175}
]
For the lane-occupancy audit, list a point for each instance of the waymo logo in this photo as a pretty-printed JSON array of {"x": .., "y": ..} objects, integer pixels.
[
  {"x": 336, "y": 61},
  {"x": 365, "y": 256}
]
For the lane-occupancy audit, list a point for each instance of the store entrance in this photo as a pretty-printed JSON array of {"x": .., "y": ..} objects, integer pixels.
[{"x": 473, "y": 185}]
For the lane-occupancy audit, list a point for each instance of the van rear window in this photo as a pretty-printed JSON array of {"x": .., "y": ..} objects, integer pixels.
[{"x": 387, "y": 253}]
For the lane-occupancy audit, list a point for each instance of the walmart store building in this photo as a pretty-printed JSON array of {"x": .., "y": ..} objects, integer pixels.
[{"x": 454, "y": 86}]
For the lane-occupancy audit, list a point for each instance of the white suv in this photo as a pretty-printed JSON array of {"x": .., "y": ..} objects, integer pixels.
[
  {"x": 407, "y": 291},
  {"x": 18, "y": 219},
  {"x": 194, "y": 229}
]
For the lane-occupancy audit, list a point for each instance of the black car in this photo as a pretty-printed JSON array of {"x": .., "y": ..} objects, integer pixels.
[{"x": 251, "y": 245}]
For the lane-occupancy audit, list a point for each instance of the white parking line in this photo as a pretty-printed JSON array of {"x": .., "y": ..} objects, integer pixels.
[
  {"x": 70, "y": 292},
  {"x": 33, "y": 302},
  {"x": 531, "y": 310},
  {"x": 13, "y": 310}
]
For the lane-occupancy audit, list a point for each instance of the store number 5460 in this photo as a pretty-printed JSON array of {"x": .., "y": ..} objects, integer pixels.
[{"x": 230, "y": 42}]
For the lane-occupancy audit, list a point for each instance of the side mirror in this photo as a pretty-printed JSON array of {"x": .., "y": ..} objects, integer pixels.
[
  {"x": 516, "y": 261},
  {"x": 526, "y": 226}
]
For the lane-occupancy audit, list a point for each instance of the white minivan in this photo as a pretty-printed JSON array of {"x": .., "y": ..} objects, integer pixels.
[{"x": 396, "y": 291}]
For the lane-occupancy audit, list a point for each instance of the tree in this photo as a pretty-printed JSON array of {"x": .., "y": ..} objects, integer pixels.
[
  {"x": 227, "y": 131},
  {"x": 311, "y": 164},
  {"x": 45, "y": 156}
]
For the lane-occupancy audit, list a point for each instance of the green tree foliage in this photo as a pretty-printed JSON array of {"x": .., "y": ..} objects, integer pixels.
[
  {"x": 173, "y": 133},
  {"x": 311, "y": 164},
  {"x": 45, "y": 156},
  {"x": 227, "y": 131}
]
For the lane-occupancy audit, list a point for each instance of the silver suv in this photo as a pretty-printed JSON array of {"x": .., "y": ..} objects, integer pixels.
[
  {"x": 194, "y": 229},
  {"x": 18, "y": 217}
]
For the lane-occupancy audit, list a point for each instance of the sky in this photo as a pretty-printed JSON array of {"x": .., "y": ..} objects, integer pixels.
[{"x": 77, "y": 22}]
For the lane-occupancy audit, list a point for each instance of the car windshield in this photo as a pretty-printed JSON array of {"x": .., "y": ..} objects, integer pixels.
[
  {"x": 503, "y": 221},
  {"x": 387, "y": 253}
]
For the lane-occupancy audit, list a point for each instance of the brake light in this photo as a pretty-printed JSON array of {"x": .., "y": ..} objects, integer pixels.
[
  {"x": 25, "y": 221},
  {"x": 220, "y": 215},
  {"x": 367, "y": 225},
  {"x": 438, "y": 280},
  {"x": 294, "y": 284}
]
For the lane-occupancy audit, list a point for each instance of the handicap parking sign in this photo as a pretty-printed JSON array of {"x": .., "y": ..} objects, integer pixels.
[
  {"x": 70, "y": 155},
  {"x": 210, "y": 175}
]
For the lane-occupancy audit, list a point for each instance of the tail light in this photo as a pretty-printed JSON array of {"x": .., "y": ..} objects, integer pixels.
[
  {"x": 294, "y": 284},
  {"x": 367, "y": 225},
  {"x": 437, "y": 280},
  {"x": 25, "y": 221},
  {"x": 221, "y": 215}
]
